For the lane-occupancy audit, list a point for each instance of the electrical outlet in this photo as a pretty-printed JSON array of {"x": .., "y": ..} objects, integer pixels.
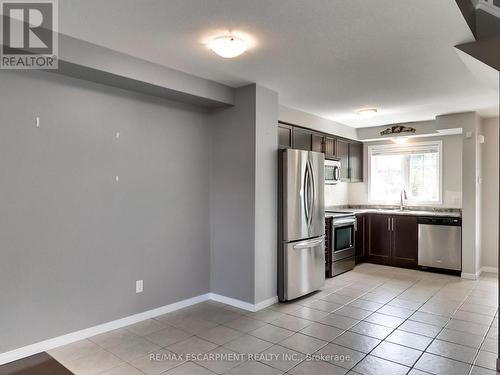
[{"x": 139, "y": 286}]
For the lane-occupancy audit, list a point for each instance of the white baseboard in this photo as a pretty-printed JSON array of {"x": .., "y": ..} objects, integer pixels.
[
  {"x": 489, "y": 269},
  {"x": 49, "y": 344},
  {"x": 266, "y": 303},
  {"x": 232, "y": 302},
  {"x": 69, "y": 338},
  {"x": 469, "y": 276},
  {"x": 242, "y": 304}
]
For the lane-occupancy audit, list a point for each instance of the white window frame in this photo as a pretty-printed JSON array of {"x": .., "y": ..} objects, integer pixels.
[{"x": 394, "y": 147}]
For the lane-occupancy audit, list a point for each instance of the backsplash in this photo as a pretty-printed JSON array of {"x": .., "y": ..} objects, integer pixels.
[{"x": 337, "y": 195}]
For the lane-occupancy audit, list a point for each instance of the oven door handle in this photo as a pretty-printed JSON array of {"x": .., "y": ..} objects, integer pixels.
[{"x": 342, "y": 223}]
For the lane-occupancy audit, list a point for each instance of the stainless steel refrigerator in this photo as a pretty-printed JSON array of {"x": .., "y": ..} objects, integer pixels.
[{"x": 301, "y": 238}]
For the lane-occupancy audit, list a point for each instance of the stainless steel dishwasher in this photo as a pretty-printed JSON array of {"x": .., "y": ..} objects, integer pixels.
[{"x": 440, "y": 243}]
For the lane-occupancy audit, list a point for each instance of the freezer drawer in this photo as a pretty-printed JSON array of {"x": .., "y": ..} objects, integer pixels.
[
  {"x": 303, "y": 269},
  {"x": 440, "y": 246}
]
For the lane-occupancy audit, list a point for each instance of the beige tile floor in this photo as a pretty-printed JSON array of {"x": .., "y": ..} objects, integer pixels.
[{"x": 372, "y": 320}]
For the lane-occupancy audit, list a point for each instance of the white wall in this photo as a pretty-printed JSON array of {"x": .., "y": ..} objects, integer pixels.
[
  {"x": 489, "y": 188},
  {"x": 479, "y": 193},
  {"x": 470, "y": 123},
  {"x": 452, "y": 172},
  {"x": 307, "y": 120}
]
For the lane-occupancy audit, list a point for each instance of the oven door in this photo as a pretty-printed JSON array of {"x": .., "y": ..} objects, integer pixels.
[{"x": 344, "y": 234}]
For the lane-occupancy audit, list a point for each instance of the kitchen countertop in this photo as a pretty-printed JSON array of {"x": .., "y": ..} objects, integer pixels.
[{"x": 406, "y": 212}]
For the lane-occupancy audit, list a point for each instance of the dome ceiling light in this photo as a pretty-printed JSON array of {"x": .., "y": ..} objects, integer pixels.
[
  {"x": 228, "y": 46},
  {"x": 367, "y": 112}
]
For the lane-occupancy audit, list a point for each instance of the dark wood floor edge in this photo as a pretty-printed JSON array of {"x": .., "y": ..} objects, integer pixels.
[{"x": 38, "y": 364}]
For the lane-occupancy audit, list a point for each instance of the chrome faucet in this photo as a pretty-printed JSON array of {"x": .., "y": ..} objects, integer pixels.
[{"x": 402, "y": 197}]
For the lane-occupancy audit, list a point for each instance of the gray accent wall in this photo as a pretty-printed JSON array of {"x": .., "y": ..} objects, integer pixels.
[
  {"x": 266, "y": 195},
  {"x": 73, "y": 241},
  {"x": 91, "y": 62},
  {"x": 243, "y": 190},
  {"x": 232, "y": 197}
]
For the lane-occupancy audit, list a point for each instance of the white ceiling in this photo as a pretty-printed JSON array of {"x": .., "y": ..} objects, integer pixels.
[{"x": 326, "y": 57}]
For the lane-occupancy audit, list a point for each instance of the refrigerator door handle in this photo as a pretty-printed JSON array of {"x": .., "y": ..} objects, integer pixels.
[
  {"x": 309, "y": 243},
  {"x": 305, "y": 195},
  {"x": 313, "y": 192},
  {"x": 308, "y": 194}
]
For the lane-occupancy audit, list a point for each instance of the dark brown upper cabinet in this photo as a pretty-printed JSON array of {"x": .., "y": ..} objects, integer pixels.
[
  {"x": 355, "y": 162},
  {"x": 343, "y": 156},
  {"x": 349, "y": 152},
  {"x": 392, "y": 240},
  {"x": 317, "y": 143},
  {"x": 285, "y": 136},
  {"x": 302, "y": 139},
  {"x": 330, "y": 148}
]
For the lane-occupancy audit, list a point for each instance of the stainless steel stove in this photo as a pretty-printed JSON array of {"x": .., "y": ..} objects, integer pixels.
[{"x": 343, "y": 231}]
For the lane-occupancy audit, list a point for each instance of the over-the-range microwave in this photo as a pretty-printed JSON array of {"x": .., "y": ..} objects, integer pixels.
[{"x": 332, "y": 172}]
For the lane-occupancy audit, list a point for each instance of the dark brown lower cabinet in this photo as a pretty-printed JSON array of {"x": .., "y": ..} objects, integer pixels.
[
  {"x": 392, "y": 240},
  {"x": 404, "y": 241},
  {"x": 328, "y": 247},
  {"x": 360, "y": 238},
  {"x": 379, "y": 239}
]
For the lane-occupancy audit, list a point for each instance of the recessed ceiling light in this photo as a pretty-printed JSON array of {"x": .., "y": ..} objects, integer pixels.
[
  {"x": 400, "y": 140},
  {"x": 228, "y": 46},
  {"x": 367, "y": 111}
]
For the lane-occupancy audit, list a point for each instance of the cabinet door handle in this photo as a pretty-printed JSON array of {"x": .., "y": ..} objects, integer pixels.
[
  {"x": 392, "y": 224},
  {"x": 389, "y": 224}
]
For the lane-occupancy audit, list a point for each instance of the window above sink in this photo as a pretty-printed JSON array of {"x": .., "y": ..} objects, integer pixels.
[{"x": 415, "y": 167}]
